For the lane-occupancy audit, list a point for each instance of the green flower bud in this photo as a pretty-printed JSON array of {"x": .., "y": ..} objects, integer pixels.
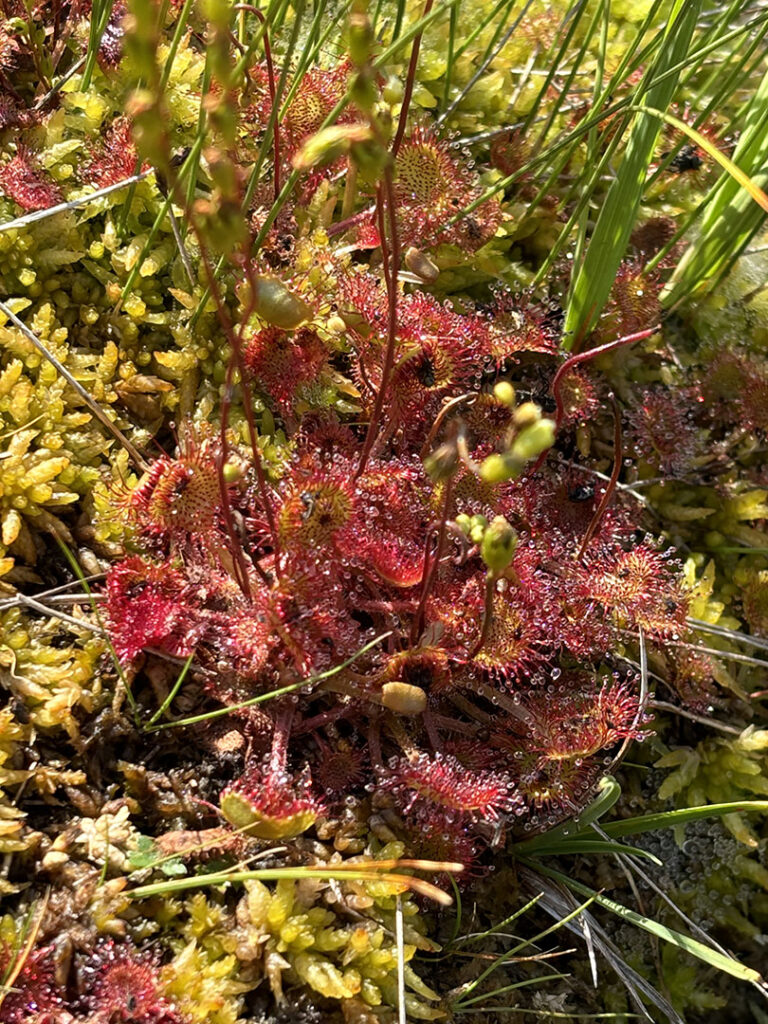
[
  {"x": 442, "y": 463},
  {"x": 534, "y": 440},
  {"x": 477, "y": 527},
  {"x": 504, "y": 392},
  {"x": 497, "y": 548},
  {"x": 149, "y": 124},
  {"x": 360, "y": 36},
  {"x": 498, "y": 468},
  {"x": 221, "y": 222},
  {"x": 527, "y": 414},
  {"x": 463, "y": 522},
  {"x": 330, "y": 143},
  {"x": 362, "y": 91}
]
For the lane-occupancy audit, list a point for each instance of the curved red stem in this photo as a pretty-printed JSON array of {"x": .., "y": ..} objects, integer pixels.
[
  {"x": 386, "y": 199},
  {"x": 272, "y": 91},
  {"x": 610, "y": 486},
  {"x": 409, "y": 84},
  {"x": 583, "y": 357}
]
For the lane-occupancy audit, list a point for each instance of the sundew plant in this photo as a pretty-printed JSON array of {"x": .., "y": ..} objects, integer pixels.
[{"x": 383, "y": 569}]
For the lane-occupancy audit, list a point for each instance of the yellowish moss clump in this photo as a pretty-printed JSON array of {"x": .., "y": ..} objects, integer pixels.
[
  {"x": 12, "y": 735},
  {"x": 50, "y": 680}
]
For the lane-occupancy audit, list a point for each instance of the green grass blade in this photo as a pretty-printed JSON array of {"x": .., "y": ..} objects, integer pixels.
[
  {"x": 668, "y": 819},
  {"x": 608, "y": 244},
  {"x": 610, "y": 791},
  {"x": 569, "y": 847},
  {"x": 697, "y": 949},
  {"x": 731, "y": 218}
]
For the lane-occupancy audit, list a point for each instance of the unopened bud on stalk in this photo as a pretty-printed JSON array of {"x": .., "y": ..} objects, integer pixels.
[
  {"x": 362, "y": 91},
  {"x": 504, "y": 392},
  {"x": 477, "y": 527},
  {"x": 221, "y": 221},
  {"x": 534, "y": 440},
  {"x": 443, "y": 462},
  {"x": 148, "y": 128},
  {"x": 497, "y": 469},
  {"x": 526, "y": 414},
  {"x": 360, "y": 34},
  {"x": 498, "y": 545},
  {"x": 327, "y": 145},
  {"x": 463, "y": 522}
]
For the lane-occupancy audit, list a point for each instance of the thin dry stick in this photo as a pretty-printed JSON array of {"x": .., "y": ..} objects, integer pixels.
[
  {"x": 73, "y": 204},
  {"x": 54, "y": 613},
  {"x": 91, "y": 402}
]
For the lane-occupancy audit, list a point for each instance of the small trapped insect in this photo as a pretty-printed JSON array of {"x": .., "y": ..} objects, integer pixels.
[
  {"x": 582, "y": 492},
  {"x": 688, "y": 159}
]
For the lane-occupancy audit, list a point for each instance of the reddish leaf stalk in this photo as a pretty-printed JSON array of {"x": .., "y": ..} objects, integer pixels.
[
  {"x": 241, "y": 570},
  {"x": 272, "y": 91},
  {"x": 278, "y": 756},
  {"x": 583, "y": 357},
  {"x": 341, "y": 226},
  {"x": 409, "y": 84},
  {"x": 449, "y": 405},
  {"x": 575, "y": 360},
  {"x": 235, "y": 339},
  {"x": 386, "y": 198},
  {"x": 610, "y": 486},
  {"x": 430, "y": 575},
  {"x": 490, "y": 586}
]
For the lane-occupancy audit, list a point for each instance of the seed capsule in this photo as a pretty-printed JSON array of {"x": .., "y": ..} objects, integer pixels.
[
  {"x": 421, "y": 265},
  {"x": 279, "y": 306}
]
